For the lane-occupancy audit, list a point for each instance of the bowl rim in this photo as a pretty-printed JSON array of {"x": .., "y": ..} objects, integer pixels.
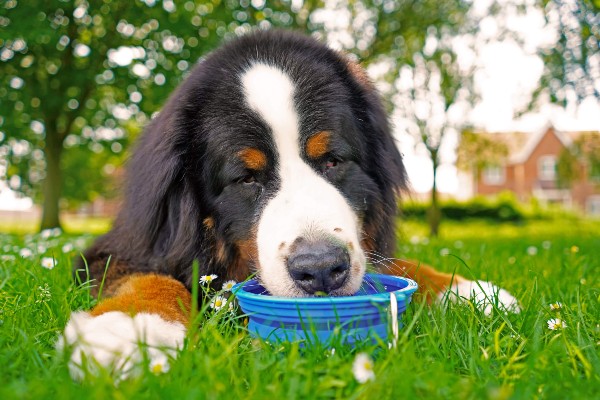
[{"x": 411, "y": 287}]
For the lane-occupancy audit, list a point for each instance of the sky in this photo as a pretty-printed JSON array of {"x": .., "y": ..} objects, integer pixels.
[{"x": 508, "y": 74}]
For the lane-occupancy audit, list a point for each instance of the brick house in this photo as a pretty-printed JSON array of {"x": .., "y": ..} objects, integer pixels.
[{"x": 530, "y": 170}]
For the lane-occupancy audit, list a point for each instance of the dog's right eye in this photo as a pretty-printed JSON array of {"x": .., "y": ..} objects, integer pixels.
[
  {"x": 249, "y": 179},
  {"x": 246, "y": 179}
]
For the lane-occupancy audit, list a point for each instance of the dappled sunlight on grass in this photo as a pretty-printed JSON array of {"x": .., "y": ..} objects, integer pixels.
[{"x": 71, "y": 224}]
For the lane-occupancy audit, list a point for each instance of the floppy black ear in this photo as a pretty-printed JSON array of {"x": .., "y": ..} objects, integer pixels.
[
  {"x": 383, "y": 163},
  {"x": 159, "y": 225}
]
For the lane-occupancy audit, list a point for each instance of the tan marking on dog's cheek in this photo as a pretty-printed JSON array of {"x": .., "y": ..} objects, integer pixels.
[
  {"x": 221, "y": 252},
  {"x": 254, "y": 159},
  {"x": 318, "y": 144},
  {"x": 247, "y": 257},
  {"x": 209, "y": 223}
]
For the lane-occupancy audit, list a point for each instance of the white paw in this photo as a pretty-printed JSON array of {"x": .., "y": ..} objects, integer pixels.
[
  {"x": 483, "y": 294},
  {"x": 116, "y": 341}
]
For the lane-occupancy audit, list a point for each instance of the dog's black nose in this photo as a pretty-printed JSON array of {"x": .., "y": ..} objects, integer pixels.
[{"x": 318, "y": 266}]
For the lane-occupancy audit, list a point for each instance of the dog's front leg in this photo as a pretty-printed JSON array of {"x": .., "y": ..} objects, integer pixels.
[
  {"x": 146, "y": 317},
  {"x": 439, "y": 285}
]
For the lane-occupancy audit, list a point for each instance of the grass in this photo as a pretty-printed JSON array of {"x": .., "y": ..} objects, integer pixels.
[{"x": 443, "y": 352}]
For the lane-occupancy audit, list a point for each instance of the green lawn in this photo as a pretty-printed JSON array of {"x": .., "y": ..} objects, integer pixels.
[{"x": 444, "y": 352}]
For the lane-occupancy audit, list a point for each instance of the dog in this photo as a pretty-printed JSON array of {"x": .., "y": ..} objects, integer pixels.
[{"x": 274, "y": 157}]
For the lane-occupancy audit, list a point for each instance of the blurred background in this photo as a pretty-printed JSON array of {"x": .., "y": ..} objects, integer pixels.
[{"x": 495, "y": 104}]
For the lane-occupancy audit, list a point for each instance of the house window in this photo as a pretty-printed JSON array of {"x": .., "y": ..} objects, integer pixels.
[
  {"x": 593, "y": 205},
  {"x": 547, "y": 168},
  {"x": 493, "y": 175}
]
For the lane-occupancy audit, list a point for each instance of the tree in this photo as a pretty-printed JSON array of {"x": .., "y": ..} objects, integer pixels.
[
  {"x": 78, "y": 78},
  {"x": 478, "y": 150},
  {"x": 431, "y": 94},
  {"x": 572, "y": 62},
  {"x": 582, "y": 155}
]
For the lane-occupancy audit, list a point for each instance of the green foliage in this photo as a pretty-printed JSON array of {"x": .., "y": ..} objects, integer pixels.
[
  {"x": 443, "y": 352},
  {"x": 583, "y": 153},
  {"x": 571, "y": 64},
  {"x": 478, "y": 150},
  {"x": 501, "y": 209}
]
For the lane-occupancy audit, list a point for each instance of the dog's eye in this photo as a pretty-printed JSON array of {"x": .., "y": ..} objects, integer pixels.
[
  {"x": 330, "y": 163},
  {"x": 248, "y": 179}
]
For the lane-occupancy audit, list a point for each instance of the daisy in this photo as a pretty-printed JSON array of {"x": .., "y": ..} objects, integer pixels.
[
  {"x": 227, "y": 286},
  {"x": 556, "y": 324},
  {"x": 556, "y": 306},
  {"x": 46, "y": 233},
  {"x": 362, "y": 368},
  {"x": 48, "y": 262},
  {"x": 25, "y": 253},
  {"x": 159, "y": 366},
  {"x": 532, "y": 250},
  {"x": 218, "y": 302},
  {"x": 208, "y": 278},
  {"x": 67, "y": 248}
]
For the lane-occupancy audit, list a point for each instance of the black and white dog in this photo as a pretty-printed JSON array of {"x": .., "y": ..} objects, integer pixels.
[{"x": 274, "y": 156}]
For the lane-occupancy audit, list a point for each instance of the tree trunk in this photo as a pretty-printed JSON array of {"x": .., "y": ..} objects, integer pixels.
[
  {"x": 52, "y": 184},
  {"x": 434, "y": 214}
]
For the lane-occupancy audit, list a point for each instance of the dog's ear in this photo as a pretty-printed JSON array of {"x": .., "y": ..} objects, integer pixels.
[
  {"x": 383, "y": 162},
  {"x": 160, "y": 215}
]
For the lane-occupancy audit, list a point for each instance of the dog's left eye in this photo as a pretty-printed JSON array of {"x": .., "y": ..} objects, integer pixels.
[{"x": 330, "y": 163}]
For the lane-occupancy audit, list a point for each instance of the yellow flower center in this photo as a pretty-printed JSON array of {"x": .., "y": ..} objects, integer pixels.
[{"x": 157, "y": 368}]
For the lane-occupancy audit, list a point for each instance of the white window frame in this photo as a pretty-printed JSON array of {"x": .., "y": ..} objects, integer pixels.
[
  {"x": 544, "y": 173},
  {"x": 592, "y": 205},
  {"x": 494, "y": 175}
]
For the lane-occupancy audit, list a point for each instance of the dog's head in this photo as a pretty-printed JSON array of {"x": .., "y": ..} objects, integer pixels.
[{"x": 274, "y": 155}]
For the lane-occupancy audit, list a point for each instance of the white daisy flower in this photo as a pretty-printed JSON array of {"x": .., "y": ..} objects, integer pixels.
[
  {"x": 207, "y": 278},
  {"x": 556, "y": 324},
  {"x": 218, "y": 302},
  {"x": 48, "y": 262},
  {"x": 227, "y": 286},
  {"x": 67, "y": 248},
  {"x": 556, "y": 306},
  {"x": 532, "y": 250},
  {"x": 362, "y": 368},
  {"x": 159, "y": 366},
  {"x": 25, "y": 253},
  {"x": 46, "y": 233}
]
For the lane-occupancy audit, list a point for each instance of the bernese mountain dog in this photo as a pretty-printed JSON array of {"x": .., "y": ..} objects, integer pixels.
[{"x": 274, "y": 157}]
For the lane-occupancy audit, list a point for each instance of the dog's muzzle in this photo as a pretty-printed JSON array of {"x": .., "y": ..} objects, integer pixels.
[{"x": 318, "y": 266}]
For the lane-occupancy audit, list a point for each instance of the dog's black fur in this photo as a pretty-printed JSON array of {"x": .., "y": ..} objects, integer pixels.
[{"x": 184, "y": 172}]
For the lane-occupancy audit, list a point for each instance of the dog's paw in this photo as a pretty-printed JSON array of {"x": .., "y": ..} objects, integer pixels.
[
  {"x": 483, "y": 294},
  {"x": 119, "y": 343}
]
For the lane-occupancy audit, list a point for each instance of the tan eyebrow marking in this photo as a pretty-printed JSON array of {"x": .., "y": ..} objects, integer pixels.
[
  {"x": 253, "y": 158},
  {"x": 318, "y": 144}
]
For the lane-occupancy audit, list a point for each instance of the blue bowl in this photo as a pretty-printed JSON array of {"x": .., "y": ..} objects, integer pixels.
[{"x": 347, "y": 319}]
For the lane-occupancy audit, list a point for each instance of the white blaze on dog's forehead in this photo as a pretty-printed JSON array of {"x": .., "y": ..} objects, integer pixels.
[
  {"x": 305, "y": 203},
  {"x": 270, "y": 92}
]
